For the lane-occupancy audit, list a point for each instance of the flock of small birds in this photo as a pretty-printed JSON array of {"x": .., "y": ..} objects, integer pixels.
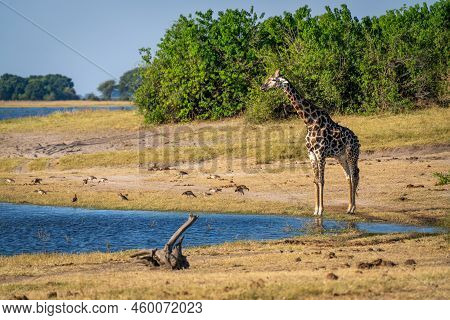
[
  {"x": 188, "y": 193},
  {"x": 238, "y": 188},
  {"x": 40, "y": 191}
]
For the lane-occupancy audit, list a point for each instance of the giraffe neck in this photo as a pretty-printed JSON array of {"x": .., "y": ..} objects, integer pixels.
[{"x": 303, "y": 107}]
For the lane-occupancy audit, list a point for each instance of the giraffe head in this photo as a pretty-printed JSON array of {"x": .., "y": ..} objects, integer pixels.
[{"x": 275, "y": 81}]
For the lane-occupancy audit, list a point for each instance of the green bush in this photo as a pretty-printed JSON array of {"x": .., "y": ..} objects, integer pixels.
[
  {"x": 202, "y": 69},
  {"x": 211, "y": 67}
]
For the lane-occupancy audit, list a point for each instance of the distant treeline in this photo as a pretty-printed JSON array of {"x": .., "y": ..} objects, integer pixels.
[
  {"x": 128, "y": 83},
  {"x": 211, "y": 66},
  {"x": 59, "y": 87},
  {"x": 48, "y": 87}
]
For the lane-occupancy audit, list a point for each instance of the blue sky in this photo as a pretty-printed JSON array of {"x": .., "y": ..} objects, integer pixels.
[{"x": 109, "y": 33}]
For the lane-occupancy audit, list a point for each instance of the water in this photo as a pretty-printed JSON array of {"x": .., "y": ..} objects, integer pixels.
[
  {"x": 30, "y": 228},
  {"x": 20, "y": 112}
]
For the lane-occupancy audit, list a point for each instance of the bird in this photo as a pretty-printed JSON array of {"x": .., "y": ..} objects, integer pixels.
[
  {"x": 214, "y": 190},
  {"x": 40, "y": 191},
  {"x": 91, "y": 178},
  {"x": 189, "y": 193},
  {"x": 85, "y": 181},
  {"x": 9, "y": 180},
  {"x": 36, "y": 181},
  {"x": 213, "y": 176},
  {"x": 207, "y": 193},
  {"x": 241, "y": 189},
  {"x": 102, "y": 180},
  {"x": 75, "y": 198},
  {"x": 122, "y": 196},
  {"x": 183, "y": 173}
]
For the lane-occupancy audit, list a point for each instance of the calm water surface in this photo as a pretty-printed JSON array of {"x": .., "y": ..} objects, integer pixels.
[
  {"x": 20, "y": 112},
  {"x": 30, "y": 228}
]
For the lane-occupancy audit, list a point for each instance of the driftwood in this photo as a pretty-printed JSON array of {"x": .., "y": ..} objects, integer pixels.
[{"x": 171, "y": 255}]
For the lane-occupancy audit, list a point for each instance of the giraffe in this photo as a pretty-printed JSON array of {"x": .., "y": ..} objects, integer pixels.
[{"x": 324, "y": 139}]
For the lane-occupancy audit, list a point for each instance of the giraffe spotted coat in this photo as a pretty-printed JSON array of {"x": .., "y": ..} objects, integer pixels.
[{"x": 324, "y": 139}]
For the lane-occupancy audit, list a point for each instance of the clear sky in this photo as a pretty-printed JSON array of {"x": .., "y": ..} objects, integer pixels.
[{"x": 110, "y": 32}]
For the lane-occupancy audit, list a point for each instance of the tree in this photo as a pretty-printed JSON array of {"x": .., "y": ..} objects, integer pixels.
[
  {"x": 48, "y": 87},
  {"x": 91, "y": 96},
  {"x": 11, "y": 86},
  {"x": 128, "y": 83},
  {"x": 106, "y": 88},
  {"x": 203, "y": 68}
]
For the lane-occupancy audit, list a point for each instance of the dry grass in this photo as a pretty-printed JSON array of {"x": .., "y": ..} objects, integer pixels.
[
  {"x": 293, "y": 269},
  {"x": 194, "y": 143},
  {"x": 63, "y": 103},
  {"x": 74, "y": 122}
]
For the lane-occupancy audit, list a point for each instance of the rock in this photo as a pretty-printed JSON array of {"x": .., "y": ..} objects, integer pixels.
[
  {"x": 331, "y": 255},
  {"x": 298, "y": 259},
  {"x": 332, "y": 276}
]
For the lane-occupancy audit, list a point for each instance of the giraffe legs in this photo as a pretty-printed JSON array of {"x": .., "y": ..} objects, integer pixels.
[
  {"x": 344, "y": 163},
  {"x": 318, "y": 165},
  {"x": 352, "y": 175},
  {"x": 321, "y": 167}
]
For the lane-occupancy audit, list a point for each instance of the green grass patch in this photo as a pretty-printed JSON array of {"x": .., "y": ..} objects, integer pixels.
[{"x": 443, "y": 178}]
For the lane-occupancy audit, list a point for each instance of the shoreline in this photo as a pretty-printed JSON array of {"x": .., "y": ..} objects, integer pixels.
[
  {"x": 63, "y": 103},
  {"x": 439, "y": 224}
]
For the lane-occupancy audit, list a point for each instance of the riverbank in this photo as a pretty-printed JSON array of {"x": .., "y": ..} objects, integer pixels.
[
  {"x": 63, "y": 103},
  {"x": 344, "y": 266},
  {"x": 400, "y": 155}
]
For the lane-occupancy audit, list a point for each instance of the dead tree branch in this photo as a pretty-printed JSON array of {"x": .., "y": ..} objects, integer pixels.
[{"x": 171, "y": 255}]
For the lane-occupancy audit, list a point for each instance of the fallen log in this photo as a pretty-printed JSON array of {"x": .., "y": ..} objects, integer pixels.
[{"x": 171, "y": 255}]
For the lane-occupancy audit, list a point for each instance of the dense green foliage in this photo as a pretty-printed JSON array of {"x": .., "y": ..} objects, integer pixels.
[
  {"x": 210, "y": 67},
  {"x": 203, "y": 68},
  {"x": 48, "y": 87}
]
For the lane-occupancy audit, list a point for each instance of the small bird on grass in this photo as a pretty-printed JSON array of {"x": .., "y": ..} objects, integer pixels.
[
  {"x": 102, "y": 180},
  {"x": 9, "y": 180},
  {"x": 183, "y": 173},
  {"x": 90, "y": 178},
  {"x": 85, "y": 181},
  {"x": 123, "y": 196},
  {"x": 215, "y": 190},
  {"x": 75, "y": 198},
  {"x": 241, "y": 189},
  {"x": 189, "y": 193},
  {"x": 40, "y": 191},
  {"x": 36, "y": 181},
  {"x": 213, "y": 176}
]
